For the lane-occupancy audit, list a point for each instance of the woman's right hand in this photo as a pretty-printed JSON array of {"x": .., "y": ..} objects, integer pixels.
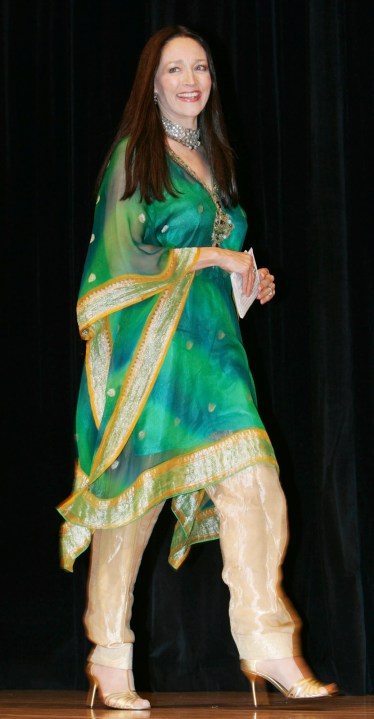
[
  {"x": 231, "y": 261},
  {"x": 240, "y": 262}
]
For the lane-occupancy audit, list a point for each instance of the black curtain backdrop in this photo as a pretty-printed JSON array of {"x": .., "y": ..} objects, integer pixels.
[{"x": 296, "y": 78}]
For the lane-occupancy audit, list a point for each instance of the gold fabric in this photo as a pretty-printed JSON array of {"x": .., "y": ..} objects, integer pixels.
[
  {"x": 115, "y": 559},
  {"x": 253, "y": 536}
]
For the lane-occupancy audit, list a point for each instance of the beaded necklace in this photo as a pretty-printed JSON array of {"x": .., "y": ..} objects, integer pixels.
[
  {"x": 223, "y": 224},
  {"x": 188, "y": 138}
]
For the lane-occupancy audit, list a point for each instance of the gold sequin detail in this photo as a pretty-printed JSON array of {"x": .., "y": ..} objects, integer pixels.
[
  {"x": 223, "y": 224},
  {"x": 98, "y": 354}
]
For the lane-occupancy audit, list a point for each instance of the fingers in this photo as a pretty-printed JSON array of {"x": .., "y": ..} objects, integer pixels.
[
  {"x": 247, "y": 272},
  {"x": 250, "y": 279},
  {"x": 253, "y": 275},
  {"x": 266, "y": 290}
]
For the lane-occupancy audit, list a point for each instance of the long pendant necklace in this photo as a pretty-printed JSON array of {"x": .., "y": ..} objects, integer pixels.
[
  {"x": 223, "y": 224},
  {"x": 188, "y": 138}
]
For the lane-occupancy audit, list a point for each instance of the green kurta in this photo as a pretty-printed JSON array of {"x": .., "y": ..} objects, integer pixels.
[{"x": 167, "y": 403}]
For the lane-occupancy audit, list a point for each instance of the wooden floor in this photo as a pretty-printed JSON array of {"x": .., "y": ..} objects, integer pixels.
[{"x": 212, "y": 705}]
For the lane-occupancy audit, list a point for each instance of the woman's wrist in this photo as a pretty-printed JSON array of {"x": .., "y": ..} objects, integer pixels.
[{"x": 208, "y": 257}]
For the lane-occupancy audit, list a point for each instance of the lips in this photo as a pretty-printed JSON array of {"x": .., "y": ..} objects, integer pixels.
[{"x": 189, "y": 96}]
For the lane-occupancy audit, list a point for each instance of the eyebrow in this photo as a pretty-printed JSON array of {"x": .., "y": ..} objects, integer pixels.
[{"x": 199, "y": 59}]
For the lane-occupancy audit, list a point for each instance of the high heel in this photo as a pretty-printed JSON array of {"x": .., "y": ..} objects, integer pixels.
[
  {"x": 91, "y": 693},
  {"x": 304, "y": 688},
  {"x": 116, "y": 700}
]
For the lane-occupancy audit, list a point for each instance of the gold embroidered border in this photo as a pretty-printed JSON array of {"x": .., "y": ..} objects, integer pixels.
[
  {"x": 142, "y": 373},
  {"x": 205, "y": 529},
  {"x": 185, "y": 473},
  {"x": 184, "y": 518},
  {"x": 81, "y": 479},
  {"x": 98, "y": 356},
  {"x": 181, "y": 475},
  {"x": 115, "y": 294},
  {"x": 74, "y": 539}
]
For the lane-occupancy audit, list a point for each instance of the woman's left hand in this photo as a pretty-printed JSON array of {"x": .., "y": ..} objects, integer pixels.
[{"x": 266, "y": 290}]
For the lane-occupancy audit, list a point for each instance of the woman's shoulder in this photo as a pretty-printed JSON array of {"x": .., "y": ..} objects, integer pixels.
[
  {"x": 119, "y": 149},
  {"x": 115, "y": 167}
]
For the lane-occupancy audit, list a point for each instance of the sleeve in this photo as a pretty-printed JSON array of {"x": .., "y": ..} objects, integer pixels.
[
  {"x": 123, "y": 270},
  {"x": 122, "y": 267}
]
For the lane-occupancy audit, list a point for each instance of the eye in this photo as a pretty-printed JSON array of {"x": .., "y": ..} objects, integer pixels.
[
  {"x": 174, "y": 69},
  {"x": 202, "y": 67}
]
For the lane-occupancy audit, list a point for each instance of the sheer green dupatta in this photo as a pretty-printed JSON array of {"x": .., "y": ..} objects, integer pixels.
[{"x": 122, "y": 269}]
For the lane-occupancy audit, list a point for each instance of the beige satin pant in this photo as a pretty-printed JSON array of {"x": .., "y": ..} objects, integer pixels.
[{"x": 253, "y": 536}]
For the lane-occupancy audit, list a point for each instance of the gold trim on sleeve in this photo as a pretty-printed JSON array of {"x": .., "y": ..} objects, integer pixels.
[{"x": 127, "y": 290}]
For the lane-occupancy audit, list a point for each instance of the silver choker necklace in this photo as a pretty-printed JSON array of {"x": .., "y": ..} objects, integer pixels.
[{"x": 188, "y": 138}]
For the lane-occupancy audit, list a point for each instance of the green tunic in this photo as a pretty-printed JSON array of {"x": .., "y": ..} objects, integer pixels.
[{"x": 167, "y": 403}]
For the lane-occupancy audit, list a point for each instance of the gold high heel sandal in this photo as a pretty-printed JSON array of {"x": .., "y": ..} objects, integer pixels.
[
  {"x": 115, "y": 700},
  {"x": 304, "y": 688}
]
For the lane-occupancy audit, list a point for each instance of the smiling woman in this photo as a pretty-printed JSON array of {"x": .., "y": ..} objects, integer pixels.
[
  {"x": 182, "y": 81},
  {"x": 182, "y": 88},
  {"x": 167, "y": 405}
]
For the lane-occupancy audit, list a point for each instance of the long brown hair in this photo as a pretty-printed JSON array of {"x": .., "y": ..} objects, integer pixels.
[{"x": 145, "y": 163}]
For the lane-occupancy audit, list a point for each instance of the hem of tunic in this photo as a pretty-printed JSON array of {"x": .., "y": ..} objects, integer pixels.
[{"x": 182, "y": 478}]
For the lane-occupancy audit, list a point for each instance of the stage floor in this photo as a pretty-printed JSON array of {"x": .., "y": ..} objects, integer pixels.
[{"x": 190, "y": 705}]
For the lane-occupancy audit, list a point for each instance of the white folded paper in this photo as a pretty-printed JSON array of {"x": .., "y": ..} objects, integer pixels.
[{"x": 242, "y": 301}]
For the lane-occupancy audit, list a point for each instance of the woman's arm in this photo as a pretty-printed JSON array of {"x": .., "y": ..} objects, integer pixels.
[{"x": 240, "y": 262}]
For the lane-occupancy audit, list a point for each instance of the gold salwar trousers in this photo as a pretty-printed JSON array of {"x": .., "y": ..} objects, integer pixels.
[{"x": 253, "y": 537}]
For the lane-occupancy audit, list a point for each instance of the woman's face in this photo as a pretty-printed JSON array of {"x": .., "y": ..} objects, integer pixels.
[{"x": 182, "y": 81}]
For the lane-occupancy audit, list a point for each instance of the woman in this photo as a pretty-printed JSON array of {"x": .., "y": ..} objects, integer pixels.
[{"x": 167, "y": 406}]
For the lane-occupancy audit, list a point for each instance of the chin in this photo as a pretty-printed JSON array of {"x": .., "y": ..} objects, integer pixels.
[{"x": 191, "y": 110}]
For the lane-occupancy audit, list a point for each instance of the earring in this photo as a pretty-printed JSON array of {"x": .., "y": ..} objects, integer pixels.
[{"x": 155, "y": 98}]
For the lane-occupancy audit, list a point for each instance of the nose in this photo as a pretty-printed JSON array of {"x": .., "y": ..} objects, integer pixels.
[{"x": 189, "y": 76}]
